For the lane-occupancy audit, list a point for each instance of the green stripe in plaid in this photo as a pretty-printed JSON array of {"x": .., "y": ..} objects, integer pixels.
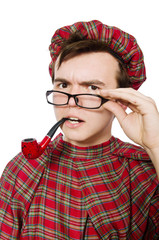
[
  {"x": 108, "y": 191},
  {"x": 123, "y": 44}
]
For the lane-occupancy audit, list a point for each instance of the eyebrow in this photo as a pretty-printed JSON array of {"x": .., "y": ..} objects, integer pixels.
[
  {"x": 92, "y": 82},
  {"x": 60, "y": 80},
  {"x": 84, "y": 83}
]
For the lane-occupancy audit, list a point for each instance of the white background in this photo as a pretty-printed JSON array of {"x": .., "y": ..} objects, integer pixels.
[{"x": 26, "y": 28}]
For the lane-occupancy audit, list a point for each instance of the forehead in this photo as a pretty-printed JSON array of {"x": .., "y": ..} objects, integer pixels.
[{"x": 88, "y": 66}]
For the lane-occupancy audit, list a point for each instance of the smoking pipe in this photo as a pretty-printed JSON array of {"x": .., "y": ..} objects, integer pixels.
[{"x": 32, "y": 149}]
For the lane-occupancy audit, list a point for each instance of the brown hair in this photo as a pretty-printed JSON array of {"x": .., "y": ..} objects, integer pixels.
[{"x": 78, "y": 44}]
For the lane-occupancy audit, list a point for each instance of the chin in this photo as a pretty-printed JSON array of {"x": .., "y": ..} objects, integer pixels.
[
  {"x": 80, "y": 140},
  {"x": 75, "y": 139}
]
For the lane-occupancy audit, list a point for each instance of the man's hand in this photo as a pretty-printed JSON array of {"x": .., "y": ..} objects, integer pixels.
[{"x": 142, "y": 124}]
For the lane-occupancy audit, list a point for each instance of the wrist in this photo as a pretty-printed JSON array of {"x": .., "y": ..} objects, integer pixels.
[{"x": 154, "y": 156}]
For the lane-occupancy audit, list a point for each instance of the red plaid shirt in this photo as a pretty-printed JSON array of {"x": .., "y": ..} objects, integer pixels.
[{"x": 108, "y": 191}]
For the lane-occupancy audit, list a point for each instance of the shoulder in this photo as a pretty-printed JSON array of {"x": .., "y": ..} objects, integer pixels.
[
  {"x": 20, "y": 180},
  {"x": 140, "y": 165},
  {"x": 129, "y": 150},
  {"x": 20, "y": 169},
  {"x": 21, "y": 177}
]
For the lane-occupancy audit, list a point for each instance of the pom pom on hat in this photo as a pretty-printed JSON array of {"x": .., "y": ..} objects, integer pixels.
[{"x": 122, "y": 43}]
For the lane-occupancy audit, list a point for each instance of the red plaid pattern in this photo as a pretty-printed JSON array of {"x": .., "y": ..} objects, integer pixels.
[
  {"x": 108, "y": 191},
  {"x": 122, "y": 43}
]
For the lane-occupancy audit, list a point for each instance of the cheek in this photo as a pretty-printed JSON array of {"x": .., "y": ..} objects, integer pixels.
[
  {"x": 58, "y": 112},
  {"x": 105, "y": 117},
  {"x": 100, "y": 117}
]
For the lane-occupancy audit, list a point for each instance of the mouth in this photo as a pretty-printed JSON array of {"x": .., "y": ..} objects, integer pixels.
[{"x": 74, "y": 120}]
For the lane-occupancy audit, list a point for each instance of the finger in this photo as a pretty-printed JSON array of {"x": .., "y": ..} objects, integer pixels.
[
  {"x": 124, "y": 94},
  {"x": 133, "y": 92},
  {"x": 128, "y": 105},
  {"x": 131, "y": 98}
]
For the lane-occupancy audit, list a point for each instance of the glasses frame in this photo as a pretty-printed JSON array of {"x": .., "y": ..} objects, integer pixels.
[{"x": 74, "y": 96}]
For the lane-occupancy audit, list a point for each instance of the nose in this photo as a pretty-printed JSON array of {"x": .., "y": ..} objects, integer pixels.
[{"x": 72, "y": 102}]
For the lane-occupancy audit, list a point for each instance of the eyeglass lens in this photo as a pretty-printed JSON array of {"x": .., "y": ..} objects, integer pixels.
[{"x": 86, "y": 101}]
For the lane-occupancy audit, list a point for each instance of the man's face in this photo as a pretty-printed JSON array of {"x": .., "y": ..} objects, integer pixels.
[{"x": 86, "y": 73}]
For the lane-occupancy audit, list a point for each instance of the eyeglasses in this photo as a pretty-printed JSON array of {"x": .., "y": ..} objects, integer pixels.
[{"x": 89, "y": 101}]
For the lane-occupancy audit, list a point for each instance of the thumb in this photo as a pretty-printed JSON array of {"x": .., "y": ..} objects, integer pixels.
[{"x": 117, "y": 108}]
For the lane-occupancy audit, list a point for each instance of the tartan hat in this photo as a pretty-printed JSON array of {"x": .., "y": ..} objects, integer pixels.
[{"x": 123, "y": 44}]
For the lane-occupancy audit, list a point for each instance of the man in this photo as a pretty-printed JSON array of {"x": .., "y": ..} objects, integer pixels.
[{"x": 88, "y": 184}]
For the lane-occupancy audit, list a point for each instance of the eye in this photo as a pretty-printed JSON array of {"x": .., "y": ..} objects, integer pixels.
[
  {"x": 93, "y": 87},
  {"x": 63, "y": 85}
]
